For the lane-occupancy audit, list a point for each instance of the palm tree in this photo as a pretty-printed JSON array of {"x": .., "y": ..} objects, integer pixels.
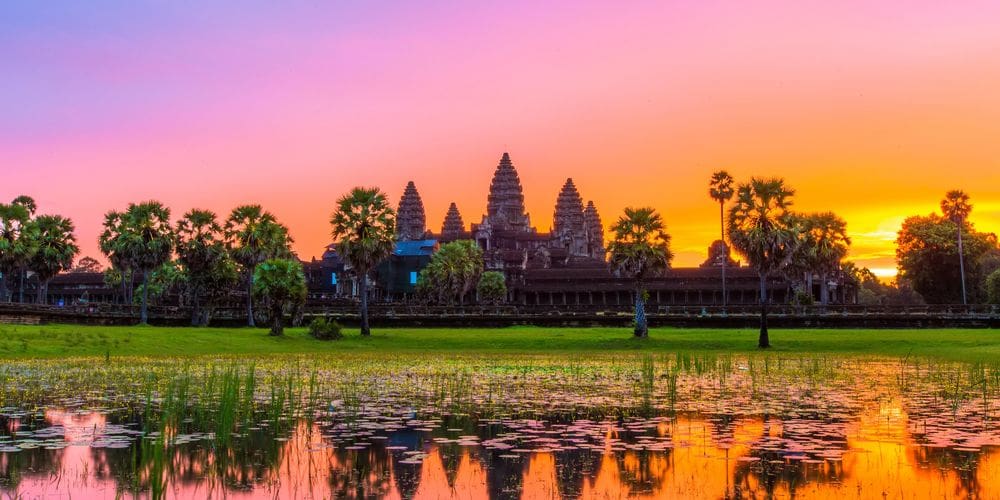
[
  {"x": 956, "y": 207},
  {"x": 55, "y": 249},
  {"x": 720, "y": 188},
  {"x": 453, "y": 272},
  {"x": 364, "y": 227},
  {"x": 640, "y": 250},
  {"x": 112, "y": 244},
  {"x": 31, "y": 232},
  {"x": 281, "y": 284},
  {"x": 824, "y": 238},
  {"x": 201, "y": 250},
  {"x": 16, "y": 240},
  {"x": 253, "y": 236},
  {"x": 761, "y": 229},
  {"x": 147, "y": 240}
]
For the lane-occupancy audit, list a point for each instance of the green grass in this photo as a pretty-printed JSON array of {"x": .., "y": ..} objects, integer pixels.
[{"x": 53, "y": 341}]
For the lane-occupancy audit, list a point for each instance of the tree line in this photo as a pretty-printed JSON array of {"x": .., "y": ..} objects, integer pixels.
[
  {"x": 936, "y": 254},
  {"x": 42, "y": 244},
  {"x": 941, "y": 257}
]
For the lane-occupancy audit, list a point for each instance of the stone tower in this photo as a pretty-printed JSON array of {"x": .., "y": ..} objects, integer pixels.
[
  {"x": 568, "y": 229},
  {"x": 411, "y": 223},
  {"x": 594, "y": 231},
  {"x": 453, "y": 227},
  {"x": 505, "y": 204}
]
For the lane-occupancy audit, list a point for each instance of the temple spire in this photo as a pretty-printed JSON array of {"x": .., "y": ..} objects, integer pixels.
[
  {"x": 453, "y": 226},
  {"x": 568, "y": 223},
  {"x": 505, "y": 204},
  {"x": 411, "y": 222},
  {"x": 594, "y": 230}
]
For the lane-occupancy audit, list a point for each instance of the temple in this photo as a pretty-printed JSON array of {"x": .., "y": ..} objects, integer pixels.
[{"x": 564, "y": 267}]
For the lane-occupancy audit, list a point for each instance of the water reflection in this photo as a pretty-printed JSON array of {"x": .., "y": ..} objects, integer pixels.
[{"x": 884, "y": 452}]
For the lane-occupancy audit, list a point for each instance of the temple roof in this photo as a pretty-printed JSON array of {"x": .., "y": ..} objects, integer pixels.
[{"x": 415, "y": 248}]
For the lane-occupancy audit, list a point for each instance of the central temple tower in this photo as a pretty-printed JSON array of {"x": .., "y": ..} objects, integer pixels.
[{"x": 505, "y": 204}]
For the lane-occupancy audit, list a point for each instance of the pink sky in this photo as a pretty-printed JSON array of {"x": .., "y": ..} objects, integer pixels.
[{"x": 870, "y": 109}]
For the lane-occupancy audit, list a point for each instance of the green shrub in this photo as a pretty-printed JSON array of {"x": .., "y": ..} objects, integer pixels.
[
  {"x": 492, "y": 288},
  {"x": 802, "y": 298},
  {"x": 324, "y": 329}
]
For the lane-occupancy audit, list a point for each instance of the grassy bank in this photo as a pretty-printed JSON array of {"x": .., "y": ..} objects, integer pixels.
[{"x": 53, "y": 341}]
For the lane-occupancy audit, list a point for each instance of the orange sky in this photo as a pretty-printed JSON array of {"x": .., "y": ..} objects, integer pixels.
[{"x": 871, "y": 109}]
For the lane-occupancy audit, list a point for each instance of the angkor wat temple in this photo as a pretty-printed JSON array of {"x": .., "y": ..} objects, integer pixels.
[
  {"x": 509, "y": 242},
  {"x": 566, "y": 266}
]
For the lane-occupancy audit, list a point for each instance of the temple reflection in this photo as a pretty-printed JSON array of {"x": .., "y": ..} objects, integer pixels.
[{"x": 881, "y": 452}]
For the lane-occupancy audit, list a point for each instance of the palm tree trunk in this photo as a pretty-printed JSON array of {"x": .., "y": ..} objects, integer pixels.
[
  {"x": 143, "y": 314},
  {"x": 725, "y": 256},
  {"x": 40, "y": 297},
  {"x": 763, "y": 341},
  {"x": 961, "y": 263},
  {"x": 276, "y": 328},
  {"x": 20, "y": 292},
  {"x": 250, "y": 321},
  {"x": 363, "y": 290},
  {"x": 641, "y": 326},
  {"x": 195, "y": 312},
  {"x": 824, "y": 290}
]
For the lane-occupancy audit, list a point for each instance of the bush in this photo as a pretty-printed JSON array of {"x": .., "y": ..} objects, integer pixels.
[
  {"x": 324, "y": 329},
  {"x": 802, "y": 298},
  {"x": 492, "y": 288}
]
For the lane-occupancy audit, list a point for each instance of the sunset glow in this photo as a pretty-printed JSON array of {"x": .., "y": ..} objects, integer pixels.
[{"x": 870, "y": 109}]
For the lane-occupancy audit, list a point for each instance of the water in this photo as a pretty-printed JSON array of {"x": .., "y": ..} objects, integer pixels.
[{"x": 496, "y": 428}]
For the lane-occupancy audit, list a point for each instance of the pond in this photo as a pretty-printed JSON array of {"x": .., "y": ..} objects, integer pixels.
[{"x": 683, "y": 426}]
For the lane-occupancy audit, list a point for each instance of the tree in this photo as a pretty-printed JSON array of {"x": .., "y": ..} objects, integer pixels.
[
  {"x": 30, "y": 233},
  {"x": 720, "y": 188},
  {"x": 55, "y": 248},
  {"x": 492, "y": 288},
  {"x": 364, "y": 227},
  {"x": 167, "y": 279},
  {"x": 87, "y": 265},
  {"x": 870, "y": 290},
  {"x": 956, "y": 207},
  {"x": 992, "y": 286},
  {"x": 16, "y": 241},
  {"x": 640, "y": 250},
  {"x": 823, "y": 244},
  {"x": 138, "y": 240},
  {"x": 201, "y": 250},
  {"x": 253, "y": 236},
  {"x": 762, "y": 230},
  {"x": 281, "y": 286},
  {"x": 926, "y": 249},
  {"x": 453, "y": 272},
  {"x": 112, "y": 244}
]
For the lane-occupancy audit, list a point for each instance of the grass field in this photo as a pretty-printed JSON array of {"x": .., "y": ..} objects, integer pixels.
[{"x": 53, "y": 341}]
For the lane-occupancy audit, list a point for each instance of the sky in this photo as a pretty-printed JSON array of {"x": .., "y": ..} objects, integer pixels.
[{"x": 870, "y": 109}]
